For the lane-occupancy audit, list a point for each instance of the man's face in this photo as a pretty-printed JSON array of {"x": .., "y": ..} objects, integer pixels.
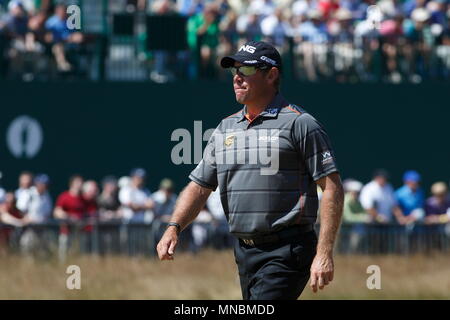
[
  {"x": 137, "y": 181},
  {"x": 25, "y": 181},
  {"x": 249, "y": 88},
  {"x": 41, "y": 187},
  {"x": 76, "y": 185},
  {"x": 91, "y": 191},
  {"x": 10, "y": 199},
  {"x": 381, "y": 180},
  {"x": 109, "y": 187},
  {"x": 60, "y": 11},
  {"x": 413, "y": 185}
]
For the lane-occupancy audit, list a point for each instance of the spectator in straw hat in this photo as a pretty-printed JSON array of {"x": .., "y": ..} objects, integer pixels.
[
  {"x": 437, "y": 207},
  {"x": 353, "y": 210}
]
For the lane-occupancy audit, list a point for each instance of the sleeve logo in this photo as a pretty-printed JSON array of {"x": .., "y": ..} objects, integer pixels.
[{"x": 326, "y": 157}]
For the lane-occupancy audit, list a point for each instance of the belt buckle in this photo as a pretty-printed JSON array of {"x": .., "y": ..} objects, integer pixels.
[{"x": 249, "y": 242}]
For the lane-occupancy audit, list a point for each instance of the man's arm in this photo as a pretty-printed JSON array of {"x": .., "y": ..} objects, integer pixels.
[
  {"x": 398, "y": 214},
  {"x": 322, "y": 268},
  {"x": 189, "y": 204}
]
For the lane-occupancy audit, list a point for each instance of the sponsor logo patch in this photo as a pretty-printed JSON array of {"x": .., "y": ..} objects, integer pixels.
[
  {"x": 266, "y": 59},
  {"x": 326, "y": 157},
  {"x": 229, "y": 140},
  {"x": 247, "y": 48}
]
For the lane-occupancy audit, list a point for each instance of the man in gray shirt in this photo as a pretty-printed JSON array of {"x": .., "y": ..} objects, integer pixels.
[{"x": 267, "y": 160}]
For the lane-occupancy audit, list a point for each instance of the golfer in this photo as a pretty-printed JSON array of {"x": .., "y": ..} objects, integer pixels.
[{"x": 267, "y": 160}]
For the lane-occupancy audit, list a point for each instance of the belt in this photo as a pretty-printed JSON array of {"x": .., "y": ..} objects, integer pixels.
[{"x": 285, "y": 234}]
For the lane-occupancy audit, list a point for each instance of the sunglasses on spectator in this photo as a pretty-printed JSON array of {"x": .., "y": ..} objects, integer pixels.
[{"x": 246, "y": 70}]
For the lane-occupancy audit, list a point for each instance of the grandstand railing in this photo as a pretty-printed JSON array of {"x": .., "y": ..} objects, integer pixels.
[{"x": 117, "y": 238}]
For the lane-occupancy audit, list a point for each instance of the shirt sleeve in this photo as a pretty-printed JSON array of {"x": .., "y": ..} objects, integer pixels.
[
  {"x": 366, "y": 199},
  {"x": 125, "y": 196},
  {"x": 61, "y": 201},
  {"x": 315, "y": 146},
  {"x": 205, "y": 174}
]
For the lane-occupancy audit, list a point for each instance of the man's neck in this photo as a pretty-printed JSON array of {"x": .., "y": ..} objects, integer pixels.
[{"x": 254, "y": 109}]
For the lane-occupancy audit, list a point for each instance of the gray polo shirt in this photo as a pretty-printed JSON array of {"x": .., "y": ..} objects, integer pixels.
[{"x": 266, "y": 169}]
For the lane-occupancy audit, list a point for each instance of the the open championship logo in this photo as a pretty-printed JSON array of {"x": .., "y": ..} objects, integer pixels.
[{"x": 24, "y": 137}]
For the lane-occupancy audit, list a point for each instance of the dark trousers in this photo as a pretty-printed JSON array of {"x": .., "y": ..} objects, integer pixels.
[{"x": 278, "y": 271}]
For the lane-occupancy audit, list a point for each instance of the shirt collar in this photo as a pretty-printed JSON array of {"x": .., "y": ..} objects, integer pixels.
[{"x": 272, "y": 109}]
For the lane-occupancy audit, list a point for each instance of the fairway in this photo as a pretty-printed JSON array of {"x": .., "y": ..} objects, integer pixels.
[{"x": 213, "y": 275}]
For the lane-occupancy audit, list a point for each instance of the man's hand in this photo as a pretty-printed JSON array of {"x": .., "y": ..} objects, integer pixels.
[
  {"x": 322, "y": 271},
  {"x": 167, "y": 244}
]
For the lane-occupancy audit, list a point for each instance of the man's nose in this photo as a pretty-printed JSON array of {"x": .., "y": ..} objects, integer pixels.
[{"x": 238, "y": 78}]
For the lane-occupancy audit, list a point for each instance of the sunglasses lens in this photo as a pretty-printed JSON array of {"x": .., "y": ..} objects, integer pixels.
[
  {"x": 247, "y": 70},
  {"x": 243, "y": 70}
]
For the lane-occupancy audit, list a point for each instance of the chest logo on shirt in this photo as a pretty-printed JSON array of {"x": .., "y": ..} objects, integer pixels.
[{"x": 229, "y": 140}]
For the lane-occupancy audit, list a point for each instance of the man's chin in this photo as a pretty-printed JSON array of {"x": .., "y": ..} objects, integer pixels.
[{"x": 240, "y": 99}]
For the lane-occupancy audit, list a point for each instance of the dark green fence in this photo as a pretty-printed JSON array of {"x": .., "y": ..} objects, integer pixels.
[{"x": 101, "y": 129}]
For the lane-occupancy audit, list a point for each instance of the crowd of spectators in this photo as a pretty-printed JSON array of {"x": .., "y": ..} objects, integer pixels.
[
  {"x": 339, "y": 40},
  {"x": 124, "y": 201},
  {"x": 35, "y": 38},
  {"x": 320, "y": 40},
  {"x": 378, "y": 203}
]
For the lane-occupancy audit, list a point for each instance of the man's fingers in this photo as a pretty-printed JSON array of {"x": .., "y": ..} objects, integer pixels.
[
  {"x": 331, "y": 276},
  {"x": 163, "y": 251},
  {"x": 321, "y": 282},
  {"x": 172, "y": 247},
  {"x": 166, "y": 249},
  {"x": 313, "y": 284}
]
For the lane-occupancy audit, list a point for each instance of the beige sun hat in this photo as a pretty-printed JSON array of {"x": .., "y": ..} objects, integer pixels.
[
  {"x": 439, "y": 188},
  {"x": 420, "y": 15},
  {"x": 343, "y": 14},
  {"x": 314, "y": 14}
]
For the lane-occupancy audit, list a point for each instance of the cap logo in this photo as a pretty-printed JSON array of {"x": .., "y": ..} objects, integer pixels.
[
  {"x": 247, "y": 48},
  {"x": 271, "y": 61}
]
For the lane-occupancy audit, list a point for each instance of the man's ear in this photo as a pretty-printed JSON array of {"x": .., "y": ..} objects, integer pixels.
[{"x": 273, "y": 74}]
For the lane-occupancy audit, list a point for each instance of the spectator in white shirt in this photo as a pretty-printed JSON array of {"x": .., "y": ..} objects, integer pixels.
[
  {"x": 40, "y": 206},
  {"x": 378, "y": 198},
  {"x": 39, "y": 212},
  {"x": 275, "y": 27},
  {"x": 23, "y": 194},
  {"x": 135, "y": 199}
]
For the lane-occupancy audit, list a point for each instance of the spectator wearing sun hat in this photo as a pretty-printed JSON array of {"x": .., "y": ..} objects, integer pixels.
[
  {"x": 437, "y": 207},
  {"x": 354, "y": 212}
]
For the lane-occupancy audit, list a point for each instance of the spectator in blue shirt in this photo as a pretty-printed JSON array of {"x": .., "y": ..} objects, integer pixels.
[
  {"x": 410, "y": 197},
  {"x": 60, "y": 35},
  {"x": 57, "y": 25}
]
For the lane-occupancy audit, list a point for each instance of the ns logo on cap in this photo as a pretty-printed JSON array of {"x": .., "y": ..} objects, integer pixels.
[{"x": 247, "y": 48}]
